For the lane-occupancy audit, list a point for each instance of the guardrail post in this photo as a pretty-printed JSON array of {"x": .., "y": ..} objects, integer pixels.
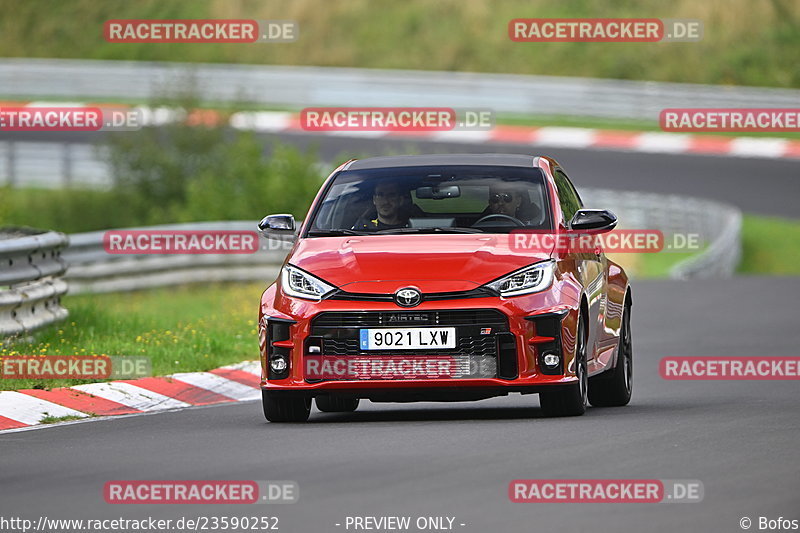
[
  {"x": 11, "y": 164},
  {"x": 66, "y": 164}
]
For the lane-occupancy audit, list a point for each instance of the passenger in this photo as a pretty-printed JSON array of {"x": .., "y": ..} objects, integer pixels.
[
  {"x": 507, "y": 199},
  {"x": 504, "y": 199}
]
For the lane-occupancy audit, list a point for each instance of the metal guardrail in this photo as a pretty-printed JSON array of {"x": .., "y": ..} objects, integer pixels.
[
  {"x": 31, "y": 285},
  {"x": 53, "y": 164},
  {"x": 92, "y": 269},
  {"x": 318, "y": 86},
  {"x": 723, "y": 254},
  {"x": 718, "y": 226}
]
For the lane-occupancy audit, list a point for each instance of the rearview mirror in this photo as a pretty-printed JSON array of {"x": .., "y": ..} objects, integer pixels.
[
  {"x": 438, "y": 192},
  {"x": 277, "y": 224},
  {"x": 595, "y": 220}
]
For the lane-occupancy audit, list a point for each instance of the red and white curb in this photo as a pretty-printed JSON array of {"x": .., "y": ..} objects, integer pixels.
[
  {"x": 234, "y": 383},
  {"x": 559, "y": 137}
]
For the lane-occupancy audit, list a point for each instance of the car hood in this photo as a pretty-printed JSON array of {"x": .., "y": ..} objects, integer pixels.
[{"x": 432, "y": 263}]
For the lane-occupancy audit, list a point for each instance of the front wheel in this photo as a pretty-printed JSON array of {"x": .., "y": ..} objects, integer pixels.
[
  {"x": 571, "y": 400},
  {"x": 614, "y": 388},
  {"x": 279, "y": 408},
  {"x": 335, "y": 404}
]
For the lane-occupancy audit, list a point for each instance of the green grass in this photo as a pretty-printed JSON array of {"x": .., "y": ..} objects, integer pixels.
[
  {"x": 657, "y": 265},
  {"x": 746, "y": 42},
  {"x": 71, "y": 210},
  {"x": 770, "y": 246},
  {"x": 183, "y": 329},
  {"x": 56, "y": 419}
]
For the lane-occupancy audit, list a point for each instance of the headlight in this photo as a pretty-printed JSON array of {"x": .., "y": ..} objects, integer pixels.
[
  {"x": 301, "y": 284},
  {"x": 530, "y": 279}
]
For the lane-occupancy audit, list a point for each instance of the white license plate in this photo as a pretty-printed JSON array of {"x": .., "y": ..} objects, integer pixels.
[{"x": 408, "y": 338}]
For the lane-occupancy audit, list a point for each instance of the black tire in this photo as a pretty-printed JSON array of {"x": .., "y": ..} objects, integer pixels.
[
  {"x": 279, "y": 408},
  {"x": 614, "y": 387},
  {"x": 571, "y": 400},
  {"x": 335, "y": 404}
]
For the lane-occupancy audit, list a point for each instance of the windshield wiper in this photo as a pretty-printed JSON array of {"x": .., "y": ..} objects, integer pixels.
[
  {"x": 430, "y": 230},
  {"x": 334, "y": 232}
]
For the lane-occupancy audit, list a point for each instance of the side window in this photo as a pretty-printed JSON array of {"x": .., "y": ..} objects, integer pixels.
[{"x": 567, "y": 197}]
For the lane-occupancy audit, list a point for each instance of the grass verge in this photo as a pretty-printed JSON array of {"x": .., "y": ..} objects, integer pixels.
[
  {"x": 745, "y": 42},
  {"x": 770, "y": 246},
  {"x": 56, "y": 419},
  {"x": 182, "y": 329}
]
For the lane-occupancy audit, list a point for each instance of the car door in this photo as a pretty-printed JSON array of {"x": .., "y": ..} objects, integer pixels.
[{"x": 591, "y": 264}]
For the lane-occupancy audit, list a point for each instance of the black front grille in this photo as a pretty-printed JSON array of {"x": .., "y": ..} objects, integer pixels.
[
  {"x": 482, "y": 335},
  {"x": 467, "y": 317},
  {"x": 482, "y": 345}
]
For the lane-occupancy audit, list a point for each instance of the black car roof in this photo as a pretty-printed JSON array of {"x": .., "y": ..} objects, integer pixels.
[{"x": 502, "y": 160}]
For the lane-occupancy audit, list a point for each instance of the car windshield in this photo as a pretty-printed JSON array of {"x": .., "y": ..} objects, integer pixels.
[{"x": 469, "y": 199}]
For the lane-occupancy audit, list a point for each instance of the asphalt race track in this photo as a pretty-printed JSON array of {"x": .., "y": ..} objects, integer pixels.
[{"x": 739, "y": 438}]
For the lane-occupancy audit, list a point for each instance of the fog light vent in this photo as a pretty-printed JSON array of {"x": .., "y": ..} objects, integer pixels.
[
  {"x": 551, "y": 360},
  {"x": 278, "y": 356},
  {"x": 278, "y": 364},
  {"x": 549, "y": 353}
]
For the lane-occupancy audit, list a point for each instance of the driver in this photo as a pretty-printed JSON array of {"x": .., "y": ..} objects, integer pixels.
[{"x": 392, "y": 208}]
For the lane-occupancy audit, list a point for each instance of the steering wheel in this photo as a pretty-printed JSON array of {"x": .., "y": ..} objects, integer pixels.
[{"x": 498, "y": 217}]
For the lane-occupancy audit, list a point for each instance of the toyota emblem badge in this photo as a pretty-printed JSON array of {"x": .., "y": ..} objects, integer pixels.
[{"x": 408, "y": 297}]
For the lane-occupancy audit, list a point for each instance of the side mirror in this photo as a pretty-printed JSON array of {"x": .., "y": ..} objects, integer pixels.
[
  {"x": 280, "y": 224},
  {"x": 595, "y": 220}
]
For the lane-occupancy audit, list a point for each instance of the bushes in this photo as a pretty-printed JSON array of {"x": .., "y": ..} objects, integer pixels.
[
  {"x": 176, "y": 173},
  {"x": 250, "y": 186},
  {"x": 180, "y": 173},
  {"x": 746, "y": 42},
  {"x": 67, "y": 210}
]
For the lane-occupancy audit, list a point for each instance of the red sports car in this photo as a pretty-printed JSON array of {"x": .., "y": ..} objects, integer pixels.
[{"x": 413, "y": 279}]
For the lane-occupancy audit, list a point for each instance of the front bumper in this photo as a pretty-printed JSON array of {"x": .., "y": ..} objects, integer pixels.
[{"x": 518, "y": 327}]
